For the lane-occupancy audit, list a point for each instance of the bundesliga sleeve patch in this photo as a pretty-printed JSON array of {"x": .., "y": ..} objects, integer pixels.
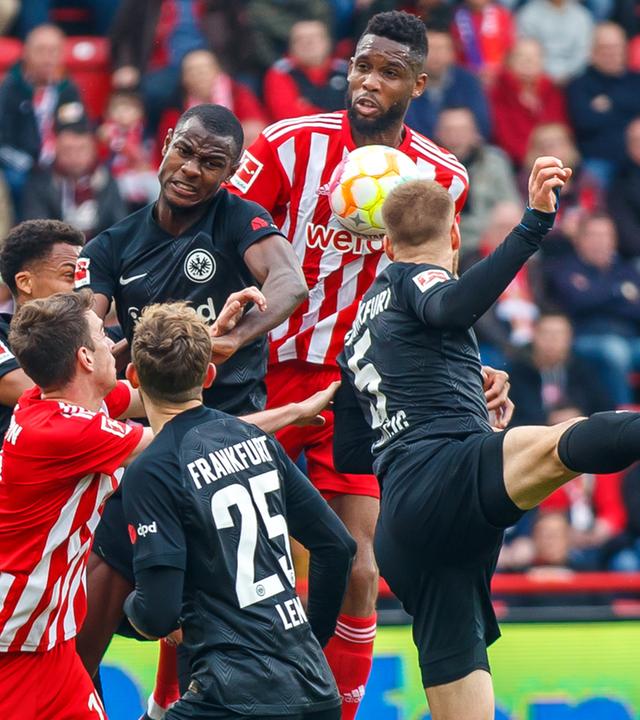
[
  {"x": 247, "y": 173},
  {"x": 428, "y": 278},
  {"x": 82, "y": 276}
]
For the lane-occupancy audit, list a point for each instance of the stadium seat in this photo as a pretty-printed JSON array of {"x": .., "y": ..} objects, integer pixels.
[
  {"x": 633, "y": 56},
  {"x": 88, "y": 63},
  {"x": 10, "y": 52}
]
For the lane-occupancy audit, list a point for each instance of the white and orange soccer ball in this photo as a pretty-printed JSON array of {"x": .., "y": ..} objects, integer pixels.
[{"x": 361, "y": 182}]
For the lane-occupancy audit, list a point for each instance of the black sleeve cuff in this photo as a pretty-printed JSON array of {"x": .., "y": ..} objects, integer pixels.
[{"x": 537, "y": 222}]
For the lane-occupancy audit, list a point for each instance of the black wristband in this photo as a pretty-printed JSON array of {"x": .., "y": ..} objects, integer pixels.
[{"x": 537, "y": 222}]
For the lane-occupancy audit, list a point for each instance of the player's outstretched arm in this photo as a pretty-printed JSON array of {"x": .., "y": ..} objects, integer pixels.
[
  {"x": 153, "y": 619},
  {"x": 12, "y": 385},
  {"x": 275, "y": 266},
  {"x": 460, "y": 303},
  {"x": 143, "y": 444},
  {"x": 306, "y": 412}
]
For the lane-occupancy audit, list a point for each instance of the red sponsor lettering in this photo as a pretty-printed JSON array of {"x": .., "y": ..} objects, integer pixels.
[
  {"x": 343, "y": 241},
  {"x": 133, "y": 535}
]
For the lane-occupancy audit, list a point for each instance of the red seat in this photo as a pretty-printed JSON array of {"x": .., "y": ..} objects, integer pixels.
[
  {"x": 633, "y": 54},
  {"x": 10, "y": 53},
  {"x": 87, "y": 61}
]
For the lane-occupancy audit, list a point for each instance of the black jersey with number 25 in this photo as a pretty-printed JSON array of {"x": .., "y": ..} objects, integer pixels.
[
  {"x": 217, "y": 498},
  {"x": 137, "y": 263}
]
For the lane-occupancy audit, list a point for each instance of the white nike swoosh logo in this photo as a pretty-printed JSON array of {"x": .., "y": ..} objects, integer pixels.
[{"x": 126, "y": 281}]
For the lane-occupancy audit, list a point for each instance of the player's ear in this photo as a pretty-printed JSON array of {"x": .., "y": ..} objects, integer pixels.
[
  {"x": 388, "y": 248},
  {"x": 419, "y": 85},
  {"x": 167, "y": 141},
  {"x": 23, "y": 282},
  {"x": 85, "y": 357},
  {"x": 132, "y": 376},
  {"x": 210, "y": 376},
  {"x": 456, "y": 239}
]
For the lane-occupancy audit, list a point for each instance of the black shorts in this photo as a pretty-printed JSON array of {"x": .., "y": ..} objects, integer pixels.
[
  {"x": 111, "y": 541},
  {"x": 194, "y": 705},
  {"x": 437, "y": 550}
]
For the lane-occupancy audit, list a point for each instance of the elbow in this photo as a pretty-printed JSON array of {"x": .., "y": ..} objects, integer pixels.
[
  {"x": 159, "y": 626},
  {"x": 299, "y": 291}
]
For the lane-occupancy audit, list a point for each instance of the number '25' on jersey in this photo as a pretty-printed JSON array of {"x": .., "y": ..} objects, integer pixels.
[{"x": 217, "y": 498}]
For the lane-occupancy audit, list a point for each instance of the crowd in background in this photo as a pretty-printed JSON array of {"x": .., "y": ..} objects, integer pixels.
[{"x": 508, "y": 81}]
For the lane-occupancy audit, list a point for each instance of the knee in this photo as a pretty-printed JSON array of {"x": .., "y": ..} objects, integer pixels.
[{"x": 364, "y": 572}]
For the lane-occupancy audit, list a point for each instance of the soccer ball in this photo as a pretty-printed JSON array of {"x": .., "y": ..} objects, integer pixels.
[{"x": 362, "y": 181}]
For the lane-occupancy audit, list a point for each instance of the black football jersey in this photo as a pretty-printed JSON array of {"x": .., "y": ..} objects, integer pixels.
[
  {"x": 412, "y": 379},
  {"x": 8, "y": 363},
  {"x": 213, "y": 496},
  {"x": 137, "y": 263}
]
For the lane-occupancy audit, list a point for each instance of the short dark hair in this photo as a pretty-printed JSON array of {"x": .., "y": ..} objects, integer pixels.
[
  {"x": 217, "y": 120},
  {"x": 417, "y": 212},
  {"x": 403, "y": 28},
  {"x": 171, "y": 351},
  {"x": 31, "y": 241},
  {"x": 46, "y": 335}
]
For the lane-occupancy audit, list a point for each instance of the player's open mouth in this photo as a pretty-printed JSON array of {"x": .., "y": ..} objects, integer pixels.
[
  {"x": 367, "y": 107},
  {"x": 183, "y": 188}
]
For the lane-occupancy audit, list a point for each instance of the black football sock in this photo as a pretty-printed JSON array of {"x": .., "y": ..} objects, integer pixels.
[{"x": 606, "y": 442}]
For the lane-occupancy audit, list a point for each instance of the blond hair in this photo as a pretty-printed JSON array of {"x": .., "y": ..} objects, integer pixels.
[
  {"x": 171, "y": 352},
  {"x": 418, "y": 212}
]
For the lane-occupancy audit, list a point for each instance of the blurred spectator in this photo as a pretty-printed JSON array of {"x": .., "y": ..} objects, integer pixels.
[
  {"x": 484, "y": 32},
  {"x": 436, "y": 14},
  {"x": 130, "y": 156},
  {"x": 203, "y": 81},
  {"x": 564, "y": 29},
  {"x": 8, "y": 10},
  {"x": 601, "y": 294},
  {"x": 594, "y": 508},
  {"x": 624, "y": 196},
  {"x": 550, "y": 376},
  {"x": 37, "y": 12},
  {"x": 77, "y": 188},
  {"x": 270, "y": 23},
  {"x": 6, "y": 208},
  {"x": 149, "y": 38},
  {"x": 603, "y": 101},
  {"x": 629, "y": 559},
  {"x": 31, "y": 95},
  {"x": 580, "y": 197},
  {"x": 551, "y": 545},
  {"x": 625, "y": 13},
  {"x": 308, "y": 80},
  {"x": 522, "y": 98},
  {"x": 508, "y": 324},
  {"x": 449, "y": 85},
  {"x": 490, "y": 174}
]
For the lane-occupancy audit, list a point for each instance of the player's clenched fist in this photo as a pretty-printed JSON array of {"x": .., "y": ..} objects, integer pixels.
[{"x": 547, "y": 175}]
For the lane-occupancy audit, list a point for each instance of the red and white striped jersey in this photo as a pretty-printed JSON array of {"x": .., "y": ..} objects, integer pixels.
[
  {"x": 285, "y": 171},
  {"x": 58, "y": 462}
]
